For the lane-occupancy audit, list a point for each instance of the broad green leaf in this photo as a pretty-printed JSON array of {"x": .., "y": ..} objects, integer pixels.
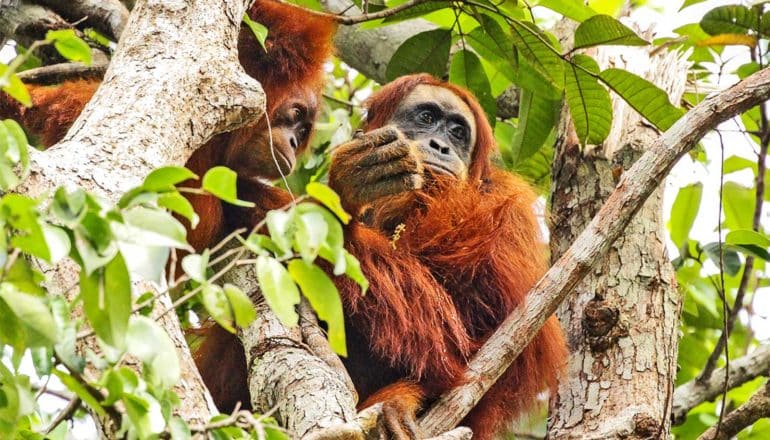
[
  {"x": 243, "y": 309},
  {"x": 311, "y": 234},
  {"x": 575, "y": 10},
  {"x": 215, "y": 301},
  {"x": 729, "y": 40},
  {"x": 107, "y": 301},
  {"x": 495, "y": 46},
  {"x": 537, "y": 119},
  {"x": 177, "y": 203},
  {"x": 57, "y": 241},
  {"x": 151, "y": 227},
  {"x": 354, "y": 272},
  {"x": 605, "y": 30},
  {"x": 258, "y": 29},
  {"x": 81, "y": 391},
  {"x": 683, "y": 213},
  {"x": 535, "y": 47},
  {"x": 749, "y": 242},
  {"x": 466, "y": 70},
  {"x": 738, "y": 205},
  {"x": 732, "y": 19},
  {"x": 261, "y": 245},
  {"x": 425, "y": 52},
  {"x": 149, "y": 342},
  {"x": 17, "y": 142},
  {"x": 329, "y": 198},
  {"x": 324, "y": 298},
  {"x": 737, "y": 163},
  {"x": 194, "y": 265},
  {"x": 419, "y": 10},
  {"x": 32, "y": 311},
  {"x": 164, "y": 179},
  {"x": 730, "y": 259},
  {"x": 145, "y": 414},
  {"x": 589, "y": 102},
  {"x": 221, "y": 181},
  {"x": 69, "y": 45},
  {"x": 280, "y": 226},
  {"x": 178, "y": 429},
  {"x": 278, "y": 288},
  {"x": 15, "y": 87},
  {"x": 332, "y": 248},
  {"x": 644, "y": 96}
]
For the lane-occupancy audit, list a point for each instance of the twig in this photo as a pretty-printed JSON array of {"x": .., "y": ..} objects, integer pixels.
[
  {"x": 65, "y": 414},
  {"x": 57, "y": 73},
  {"x": 757, "y": 407},
  {"x": 349, "y": 20},
  {"x": 691, "y": 394},
  {"x": 633, "y": 189}
]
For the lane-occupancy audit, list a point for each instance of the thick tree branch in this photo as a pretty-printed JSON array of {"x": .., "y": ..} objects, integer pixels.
[
  {"x": 106, "y": 16},
  {"x": 26, "y": 23},
  {"x": 757, "y": 407},
  {"x": 691, "y": 394},
  {"x": 633, "y": 189}
]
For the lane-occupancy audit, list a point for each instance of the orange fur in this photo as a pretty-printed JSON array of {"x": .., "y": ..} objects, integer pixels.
[{"x": 465, "y": 260}]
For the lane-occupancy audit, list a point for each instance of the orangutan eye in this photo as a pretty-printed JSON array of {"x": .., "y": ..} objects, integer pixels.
[
  {"x": 296, "y": 114},
  {"x": 459, "y": 132},
  {"x": 427, "y": 117}
]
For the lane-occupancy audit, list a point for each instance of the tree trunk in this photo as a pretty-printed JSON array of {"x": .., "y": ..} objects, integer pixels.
[{"x": 623, "y": 320}]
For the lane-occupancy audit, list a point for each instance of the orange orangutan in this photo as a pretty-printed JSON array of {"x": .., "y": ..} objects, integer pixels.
[{"x": 466, "y": 252}]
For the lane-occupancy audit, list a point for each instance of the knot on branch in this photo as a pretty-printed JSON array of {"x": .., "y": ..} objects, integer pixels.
[{"x": 601, "y": 325}]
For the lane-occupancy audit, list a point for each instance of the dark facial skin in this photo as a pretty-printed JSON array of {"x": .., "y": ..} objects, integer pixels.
[
  {"x": 442, "y": 125},
  {"x": 432, "y": 132},
  {"x": 290, "y": 125}
]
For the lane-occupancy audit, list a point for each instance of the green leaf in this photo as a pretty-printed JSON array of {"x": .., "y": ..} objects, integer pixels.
[
  {"x": 466, "y": 71},
  {"x": 535, "y": 47},
  {"x": 569, "y": 8},
  {"x": 425, "y": 52},
  {"x": 733, "y": 19},
  {"x": 220, "y": 181},
  {"x": 107, "y": 301},
  {"x": 730, "y": 259},
  {"x": 179, "y": 204},
  {"x": 215, "y": 301},
  {"x": 194, "y": 265},
  {"x": 261, "y": 245},
  {"x": 243, "y": 309},
  {"x": 329, "y": 198},
  {"x": 589, "y": 102},
  {"x": 32, "y": 311},
  {"x": 145, "y": 414},
  {"x": 149, "y": 342},
  {"x": 324, "y": 298},
  {"x": 17, "y": 144},
  {"x": 537, "y": 119},
  {"x": 69, "y": 45},
  {"x": 280, "y": 226},
  {"x": 151, "y": 227},
  {"x": 164, "y": 178},
  {"x": 354, "y": 272},
  {"x": 749, "y": 242},
  {"x": 279, "y": 290},
  {"x": 738, "y": 204},
  {"x": 258, "y": 29},
  {"x": 15, "y": 87},
  {"x": 684, "y": 212},
  {"x": 419, "y": 10},
  {"x": 332, "y": 248},
  {"x": 81, "y": 391},
  {"x": 603, "y": 29},
  {"x": 495, "y": 46},
  {"x": 644, "y": 96},
  {"x": 311, "y": 234}
]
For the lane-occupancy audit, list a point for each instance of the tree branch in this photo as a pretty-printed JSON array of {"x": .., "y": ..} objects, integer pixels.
[
  {"x": 107, "y": 16},
  {"x": 632, "y": 190},
  {"x": 757, "y": 407},
  {"x": 26, "y": 23},
  {"x": 691, "y": 394}
]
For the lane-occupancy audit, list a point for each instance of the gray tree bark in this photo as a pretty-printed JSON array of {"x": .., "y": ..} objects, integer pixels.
[
  {"x": 622, "y": 322},
  {"x": 174, "y": 82}
]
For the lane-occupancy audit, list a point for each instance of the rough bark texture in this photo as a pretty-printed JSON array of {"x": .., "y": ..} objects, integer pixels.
[
  {"x": 691, "y": 394},
  {"x": 107, "y": 16},
  {"x": 173, "y": 83},
  {"x": 622, "y": 322}
]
